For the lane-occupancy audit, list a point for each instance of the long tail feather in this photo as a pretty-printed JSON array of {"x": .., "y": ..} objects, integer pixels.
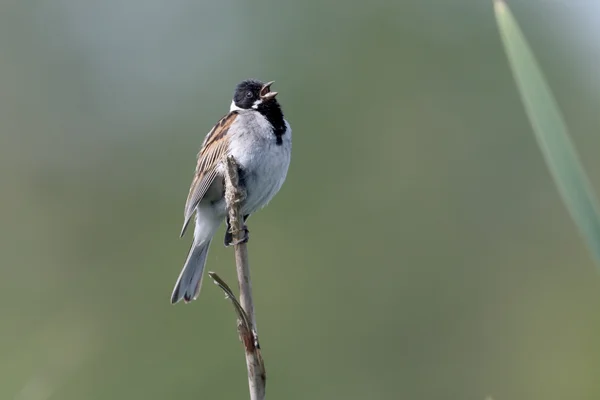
[{"x": 190, "y": 279}]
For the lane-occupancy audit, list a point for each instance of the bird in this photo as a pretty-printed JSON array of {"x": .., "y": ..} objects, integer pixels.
[{"x": 256, "y": 134}]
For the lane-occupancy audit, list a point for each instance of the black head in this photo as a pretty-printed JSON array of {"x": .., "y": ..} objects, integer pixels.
[{"x": 254, "y": 94}]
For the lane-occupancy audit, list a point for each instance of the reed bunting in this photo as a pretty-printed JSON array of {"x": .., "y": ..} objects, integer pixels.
[{"x": 255, "y": 133}]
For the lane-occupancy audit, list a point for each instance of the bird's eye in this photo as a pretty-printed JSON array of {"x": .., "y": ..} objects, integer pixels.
[{"x": 249, "y": 95}]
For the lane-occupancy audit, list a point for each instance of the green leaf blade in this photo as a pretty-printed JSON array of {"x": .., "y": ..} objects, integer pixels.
[{"x": 550, "y": 130}]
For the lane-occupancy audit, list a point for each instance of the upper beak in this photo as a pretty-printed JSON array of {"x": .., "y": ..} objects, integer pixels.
[{"x": 265, "y": 92}]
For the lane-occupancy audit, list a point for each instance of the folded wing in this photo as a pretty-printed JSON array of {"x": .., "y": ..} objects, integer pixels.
[{"x": 212, "y": 152}]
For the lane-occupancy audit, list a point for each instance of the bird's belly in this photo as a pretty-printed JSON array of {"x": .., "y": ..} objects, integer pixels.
[
  {"x": 263, "y": 175},
  {"x": 259, "y": 191}
]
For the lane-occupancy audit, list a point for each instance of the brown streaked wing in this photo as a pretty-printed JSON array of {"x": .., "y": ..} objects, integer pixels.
[{"x": 213, "y": 148}]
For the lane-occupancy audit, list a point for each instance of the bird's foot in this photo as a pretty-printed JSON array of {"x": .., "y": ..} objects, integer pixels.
[{"x": 229, "y": 237}]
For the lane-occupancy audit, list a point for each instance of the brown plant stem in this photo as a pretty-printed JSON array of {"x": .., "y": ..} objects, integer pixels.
[{"x": 234, "y": 196}]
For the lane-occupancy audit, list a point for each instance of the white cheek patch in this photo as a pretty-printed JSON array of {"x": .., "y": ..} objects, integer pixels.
[
  {"x": 256, "y": 104},
  {"x": 233, "y": 107}
]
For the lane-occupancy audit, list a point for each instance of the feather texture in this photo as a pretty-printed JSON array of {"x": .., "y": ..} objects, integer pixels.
[{"x": 213, "y": 149}]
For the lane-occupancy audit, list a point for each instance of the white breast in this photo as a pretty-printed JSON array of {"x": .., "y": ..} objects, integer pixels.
[{"x": 265, "y": 163}]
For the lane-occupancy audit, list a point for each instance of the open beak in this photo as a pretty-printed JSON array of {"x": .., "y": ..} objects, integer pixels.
[{"x": 265, "y": 91}]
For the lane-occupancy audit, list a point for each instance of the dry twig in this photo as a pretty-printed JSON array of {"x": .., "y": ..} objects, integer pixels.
[{"x": 234, "y": 195}]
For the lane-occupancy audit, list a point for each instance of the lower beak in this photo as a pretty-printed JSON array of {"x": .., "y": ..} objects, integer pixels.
[{"x": 269, "y": 95}]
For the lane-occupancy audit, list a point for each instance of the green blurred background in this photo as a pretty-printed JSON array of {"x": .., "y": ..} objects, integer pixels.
[{"x": 418, "y": 250}]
